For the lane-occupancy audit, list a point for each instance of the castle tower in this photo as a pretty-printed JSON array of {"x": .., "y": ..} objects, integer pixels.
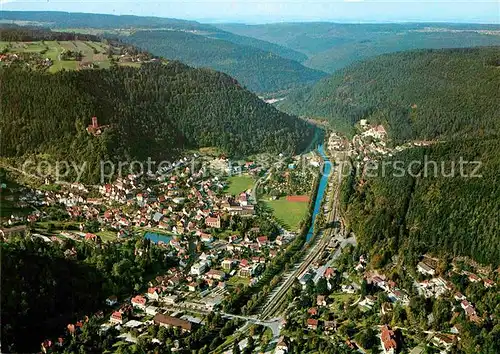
[{"x": 95, "y": 125}]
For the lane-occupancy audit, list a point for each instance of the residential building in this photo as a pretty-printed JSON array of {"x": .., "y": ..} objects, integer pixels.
[
  {"x": 198, "y": 268},
  {"x": 281, "y": 347},
  {"x": 169, "y": 321},
  {"x": 214, "y": 222},
  {"x": 170, "y": 299},
  {"x": 227, "y": 264},
  {"x": 153, "y": 294},
  {"x": 139, "y": 302},
  {"x": 111, "y": 301},
  {"x": 216, "y": 274},
  {"x": 118, "y": 317},
  {"x": 425, "y": 269},
  {"x": 388, "y": 339},
  {"x": 321, "y": 300},
  {"x": 312, "y": 323}
]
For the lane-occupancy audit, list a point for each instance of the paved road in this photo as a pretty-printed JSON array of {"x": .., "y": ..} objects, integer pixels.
[
  {"x": 262, "y": 179},
  {"x": 274, "y": 323}
]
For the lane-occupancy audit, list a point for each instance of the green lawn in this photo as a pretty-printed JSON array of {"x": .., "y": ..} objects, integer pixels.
[
  {"x": 234, "y": 281},
  {"x": 289, "y": 214},
  {"x": 238, "y": 184},
  {"x": 343, "y": 297},
  {"x": 107, "y": 235}
]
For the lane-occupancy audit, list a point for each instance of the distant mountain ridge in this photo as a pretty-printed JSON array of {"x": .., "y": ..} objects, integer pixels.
[
  {"x": 332, "y": 46},
  {"x": 259, "y": 65},
  {"x": 423, "y": 94},
  {"x": 258, "y": 70}
]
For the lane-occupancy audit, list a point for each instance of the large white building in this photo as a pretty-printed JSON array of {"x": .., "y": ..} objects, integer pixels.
[{"x": 198, "y": 268}]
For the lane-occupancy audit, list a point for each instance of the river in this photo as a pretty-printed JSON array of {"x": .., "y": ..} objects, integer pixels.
[{"x": 323, "y": 184}]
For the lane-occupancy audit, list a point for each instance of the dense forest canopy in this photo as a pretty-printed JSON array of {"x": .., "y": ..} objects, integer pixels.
[
  {"x": 442, "y": 214},
  {"x": 13, "y": 33},
  {"x": 154, "y": 111},
  {"x": 344, "y": 54},
  {"x": 59, "y": 19},
  {"x": 259, "y": 70},
  {"x": 282, "y": 51},
  {"x": 42, "y": 290},
  {"x": 426, "y": 94}
]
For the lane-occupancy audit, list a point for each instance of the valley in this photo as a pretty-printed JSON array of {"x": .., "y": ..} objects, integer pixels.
[{"x": 170, "y": 185}]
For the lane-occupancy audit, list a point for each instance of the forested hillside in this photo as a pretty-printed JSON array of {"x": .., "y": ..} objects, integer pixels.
[
  {"x": 282, "y": 51},
  {"x": 14, "y": 33},
  {"x": 154, "y": 111},
  {"x": 258, "y": 70},
  {"x": 43, "y": 291},
  {"x": 425, "y": 94},
  {"x": 59, "y": 19},
  {"x": 332, "y": 46},
  {"x": 259, "y": 65},
  {"x": 449, "y": 96},
  {"x": 342, "y": 55},
  {"x": 443, "y": 214}
]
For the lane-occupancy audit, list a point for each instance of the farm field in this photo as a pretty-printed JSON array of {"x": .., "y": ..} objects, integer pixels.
[
  {"x": 289, "y": 214},
  {"x": 238, "y": 184},
  {"x": 92, "y": 52}
]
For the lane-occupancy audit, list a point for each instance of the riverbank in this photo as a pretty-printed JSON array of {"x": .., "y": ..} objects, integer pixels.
[{"x": 322, "y": 186}]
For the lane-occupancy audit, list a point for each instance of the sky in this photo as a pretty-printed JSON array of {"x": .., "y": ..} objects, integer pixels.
[{"x": 263, "y": 11}]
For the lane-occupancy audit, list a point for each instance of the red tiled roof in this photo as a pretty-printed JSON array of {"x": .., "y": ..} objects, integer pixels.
[
  {"x": 312, "y": 311},
  {"x": 139, "y": 300},
  {"x": 262, "y": 239},
  {"x": 172, "y": 321},
  {"x": 312, "y": 322},
  {"x": 153, "y": 290},
  {"x": 388, "y": 338},
  {"x": 89, "y": 236}
]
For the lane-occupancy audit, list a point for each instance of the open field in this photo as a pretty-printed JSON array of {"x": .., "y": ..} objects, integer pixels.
[
  {"x": 236, "y": 280},
  {"x": 343, "y": 297},
  {"x": 289, "y": 214},
  {"x": 92, "y": 52},
  {"x": 238, "y": 184},
  {"x": 107, "y": 235}
]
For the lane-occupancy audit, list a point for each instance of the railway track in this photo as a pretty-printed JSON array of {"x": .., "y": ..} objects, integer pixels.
[{"x": 275, "y": 303}]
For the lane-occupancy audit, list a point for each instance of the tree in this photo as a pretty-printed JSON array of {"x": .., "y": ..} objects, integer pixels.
[
  {"x": 236, "y": 348},
  {"x": 367, "y": 338},
  {"x": 322, "y": 286},
  {"x": 364, "y": 288}
]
